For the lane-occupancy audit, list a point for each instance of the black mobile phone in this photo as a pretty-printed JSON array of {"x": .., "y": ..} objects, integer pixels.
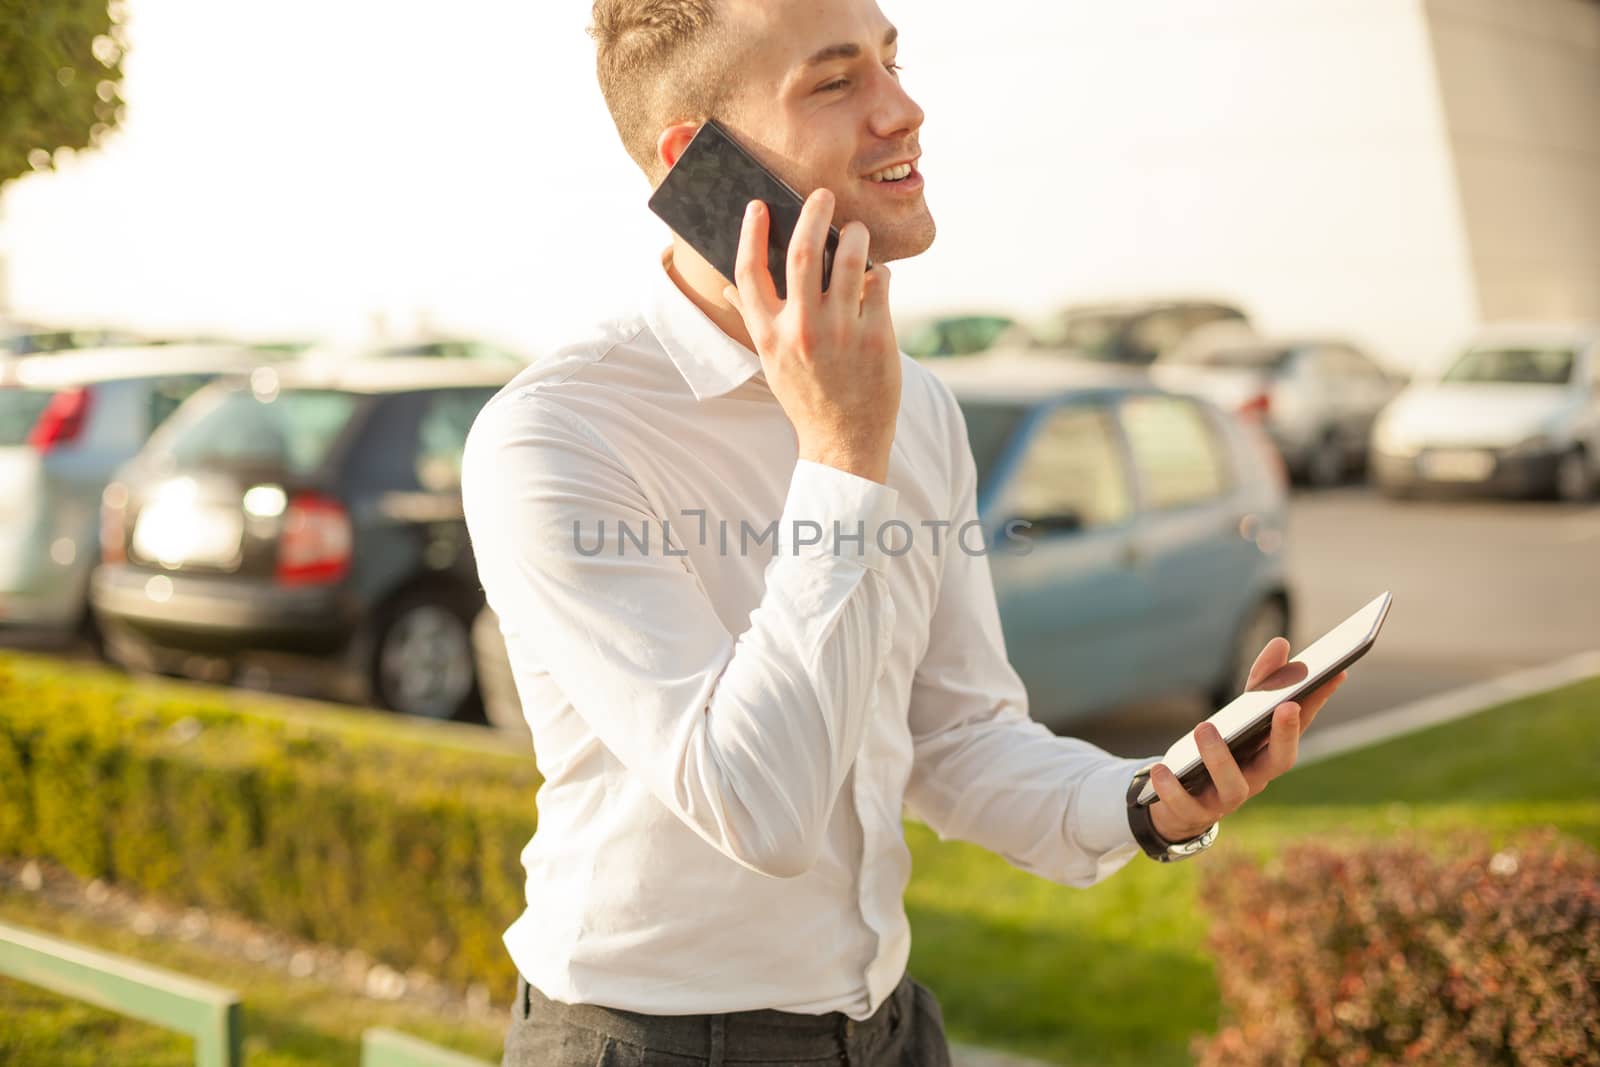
[
  {"x": 704, "y": 196},
  {"x": 1246, "y": 722}
]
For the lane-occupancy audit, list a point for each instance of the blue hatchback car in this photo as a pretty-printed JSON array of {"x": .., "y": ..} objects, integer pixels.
[
  {"x": 1137, "y": 537},
  {"x": 1154, "y": 527}
]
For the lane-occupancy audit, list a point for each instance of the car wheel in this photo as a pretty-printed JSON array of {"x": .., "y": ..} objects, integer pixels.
[
  {"x": 422, "y": 657},
  {"x": 1325, "y": 466},
  {"x": 1575, "y": 477},
  {"x": 1267, "y": 620}
]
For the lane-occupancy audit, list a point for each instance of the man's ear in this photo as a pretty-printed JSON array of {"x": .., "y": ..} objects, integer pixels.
[{"x": 673, "y": 140}]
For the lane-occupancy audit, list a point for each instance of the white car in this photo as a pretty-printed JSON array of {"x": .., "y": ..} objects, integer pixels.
[{"x": 1517, "y": 412}]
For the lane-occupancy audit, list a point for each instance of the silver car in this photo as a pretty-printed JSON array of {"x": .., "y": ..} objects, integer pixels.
[
  {"x": 1316, "y": 398},
  {"x": 67, "y": 422},
  {"x": 1517, "y": 412}
]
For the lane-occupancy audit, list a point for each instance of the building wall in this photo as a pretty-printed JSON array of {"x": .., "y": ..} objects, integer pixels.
[
  {"x": 1520, "y": 84},
  {"x": 1287, "y": 153}
]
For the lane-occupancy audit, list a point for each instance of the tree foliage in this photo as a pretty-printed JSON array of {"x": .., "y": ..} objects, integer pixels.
[{"x": 60, "y": 79}]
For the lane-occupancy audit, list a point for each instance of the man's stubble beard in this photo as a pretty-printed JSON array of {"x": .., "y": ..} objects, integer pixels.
[{"x": 901, "y": 239}]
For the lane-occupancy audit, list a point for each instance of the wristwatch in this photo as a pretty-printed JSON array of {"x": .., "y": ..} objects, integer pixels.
[{"x": 1144, "y": 829}]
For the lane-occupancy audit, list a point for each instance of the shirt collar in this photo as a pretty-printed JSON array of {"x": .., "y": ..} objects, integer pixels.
[{"x": 711, "y": 362}]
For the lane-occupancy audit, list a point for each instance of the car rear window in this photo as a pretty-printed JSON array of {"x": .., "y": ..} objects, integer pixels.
[
  {"x": 292, "y": 430},
  {"x": 19, "y": 410},
  {"x": 1245, "y": 358},
  {"x": 990, "y": 426}
]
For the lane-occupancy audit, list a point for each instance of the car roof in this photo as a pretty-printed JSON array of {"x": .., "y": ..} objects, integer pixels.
[
  {"x": 396, "y": 374},
  {"x": 1021, "y": 376},
  {"x": 84, "y": 366},
  {"x": 1136, "y": 305}
]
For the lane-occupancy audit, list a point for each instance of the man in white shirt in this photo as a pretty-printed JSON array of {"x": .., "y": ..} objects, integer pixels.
[{"x": 721, "y": 533}]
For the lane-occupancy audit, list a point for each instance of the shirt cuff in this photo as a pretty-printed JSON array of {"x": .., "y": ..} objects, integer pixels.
[
  {"x": 831, "y": 512},
  {"x": 1098, "y": 822}
]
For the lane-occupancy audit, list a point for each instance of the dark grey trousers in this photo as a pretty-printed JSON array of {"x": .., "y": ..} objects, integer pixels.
[{"x": 906, "y": 1031}]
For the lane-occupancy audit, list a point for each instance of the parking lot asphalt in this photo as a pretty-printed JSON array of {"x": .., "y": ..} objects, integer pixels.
[{"x": 1481, "y": 588}]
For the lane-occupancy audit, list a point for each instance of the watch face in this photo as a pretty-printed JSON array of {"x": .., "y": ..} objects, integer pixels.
[{"x": 1193, "y": 847}]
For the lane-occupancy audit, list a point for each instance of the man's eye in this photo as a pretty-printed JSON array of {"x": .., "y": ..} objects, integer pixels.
[
  {"x": 837, "y": 83},
  {"x": 893, "y": 68}
]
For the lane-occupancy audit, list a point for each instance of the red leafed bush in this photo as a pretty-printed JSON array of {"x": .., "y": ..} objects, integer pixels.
[{"x": 1399, "y": 954}]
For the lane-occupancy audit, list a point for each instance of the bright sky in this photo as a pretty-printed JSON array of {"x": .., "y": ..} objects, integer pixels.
[{"x": 299, "y": 166}]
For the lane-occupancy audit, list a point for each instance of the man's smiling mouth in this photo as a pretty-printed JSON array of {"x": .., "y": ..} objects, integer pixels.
[{"x": 893, "y": 173}]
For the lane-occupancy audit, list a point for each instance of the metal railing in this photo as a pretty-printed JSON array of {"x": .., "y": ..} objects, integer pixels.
[
  {"x": 381, "y": 1047},
  {"x": 206, "y": 1013}
]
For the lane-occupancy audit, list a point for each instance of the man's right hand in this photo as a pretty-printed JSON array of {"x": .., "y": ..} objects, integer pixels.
[{"x": 831, "y": 359}]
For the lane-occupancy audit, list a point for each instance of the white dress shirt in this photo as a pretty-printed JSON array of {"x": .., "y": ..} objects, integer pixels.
[{"x": 730, "y": 723}]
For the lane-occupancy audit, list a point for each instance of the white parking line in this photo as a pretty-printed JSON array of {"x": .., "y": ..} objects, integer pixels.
[{"x": 1447, "y": 707}]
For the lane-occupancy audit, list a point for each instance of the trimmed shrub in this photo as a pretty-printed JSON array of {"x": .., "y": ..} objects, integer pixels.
[
  {"x": 1395, "y": 954},
  {"x": 401, "y": 839}
]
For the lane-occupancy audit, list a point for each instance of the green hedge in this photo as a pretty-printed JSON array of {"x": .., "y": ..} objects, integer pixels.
[{"x": 400, "y": 839}]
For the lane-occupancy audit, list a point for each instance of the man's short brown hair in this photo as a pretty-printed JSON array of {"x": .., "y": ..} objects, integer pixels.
[{"x": 659, "y": 62}]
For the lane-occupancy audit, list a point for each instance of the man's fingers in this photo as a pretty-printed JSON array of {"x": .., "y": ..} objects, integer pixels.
[
  {"x": 1182, "y": 805},
  {"x": 806, "y": 245},
  {"x": 1269, "y": 661},
  {"x": 847, "y": 285},
  {"x": 875, "y": 297},
  {"x": 1226, "y": 777},
  {"x": 1283, "y": 748},
  {"x": 1313, "y": 703},
  {"x": 757, "y": 292}
]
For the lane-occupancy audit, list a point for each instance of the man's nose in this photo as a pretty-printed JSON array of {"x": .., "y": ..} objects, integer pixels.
[{"x": 896, "y": 114}]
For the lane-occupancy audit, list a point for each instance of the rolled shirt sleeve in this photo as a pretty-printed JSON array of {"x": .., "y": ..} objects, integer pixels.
[
  {"x": 746, "y": 738},
  {"x": 983, "y": 770}
]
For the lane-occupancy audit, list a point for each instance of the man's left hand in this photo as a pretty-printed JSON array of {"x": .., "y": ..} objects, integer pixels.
[{"x": 1179, "y": 815}]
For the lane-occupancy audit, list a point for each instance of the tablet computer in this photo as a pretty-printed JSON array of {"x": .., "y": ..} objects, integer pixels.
[{"x": 1246, "y": 722}]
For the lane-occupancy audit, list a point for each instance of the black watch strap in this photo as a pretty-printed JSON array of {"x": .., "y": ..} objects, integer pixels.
[{"x": 1144, "y": 829}]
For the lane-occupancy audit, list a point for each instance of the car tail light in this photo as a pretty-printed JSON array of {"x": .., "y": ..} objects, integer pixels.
[
  {"x": 1257, "y": 407},
  {"x": 62, "y": 420},
  {"x": 315, "y": 546},
  {"x": 114, "y": 523}
]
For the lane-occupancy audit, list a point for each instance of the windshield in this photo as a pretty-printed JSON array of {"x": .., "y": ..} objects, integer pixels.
[
  {"x": 229, "y": 426},
  {"x": 1248, "y": 357},
  {"x": 1532, "y": 366},
  {"x": 19, "y": 410},
  {"x": 1091, "y": 333},
  {"x": 990, "y": 426}
]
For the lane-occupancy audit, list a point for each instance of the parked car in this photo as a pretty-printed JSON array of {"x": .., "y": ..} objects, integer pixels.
[
  {"x": 1154, "y": 561},
  {"x": 26, "y": 339},
  {"x": 937, "y": 336},
  {"x": 67, "y": 422},
  {"x": 308, "y": 520},
  {"x": 449, "y": 348},
  {"x": 1136, "y": 332},
  {"x": 1517, "y": 412},
  {"x": 1317, "y": 398}
]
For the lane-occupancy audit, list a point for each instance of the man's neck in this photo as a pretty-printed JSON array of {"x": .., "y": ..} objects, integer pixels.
[{"x": 703, "y": 286}]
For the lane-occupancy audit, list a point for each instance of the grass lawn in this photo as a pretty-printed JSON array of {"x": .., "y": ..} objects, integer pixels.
[{"x": 1117, "y": 974}]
